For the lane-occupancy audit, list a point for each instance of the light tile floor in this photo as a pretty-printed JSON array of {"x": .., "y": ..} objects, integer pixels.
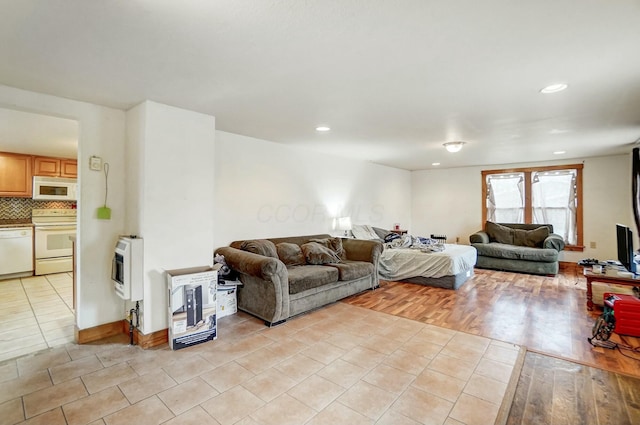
[
  {"x": 341, "y": 364},
  {"x": 35, "y": 313}
]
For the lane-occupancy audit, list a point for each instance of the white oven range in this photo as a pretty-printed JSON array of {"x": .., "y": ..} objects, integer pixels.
[{"x": 53, "y": 247}]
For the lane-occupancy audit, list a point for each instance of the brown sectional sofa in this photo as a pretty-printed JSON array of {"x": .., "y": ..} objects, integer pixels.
[{"x": 283, "y": 277}]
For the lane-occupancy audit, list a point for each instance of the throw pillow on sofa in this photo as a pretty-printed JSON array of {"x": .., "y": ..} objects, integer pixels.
[
  {"x": 261, "y": 247},
  {"x": 334, "y": 244},
  {"x": 315, "y": 253},
  {"x": 290, "y": 254},
  {"x": 531, "y": 238},
  {"x": 499, "y": 233}
]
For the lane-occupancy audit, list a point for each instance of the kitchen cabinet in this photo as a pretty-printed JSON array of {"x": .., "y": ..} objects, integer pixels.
[
  {"x": 15, "y": 175},
  {"x": 69, "y": 168},
  {"x": 55, "y": 167}
]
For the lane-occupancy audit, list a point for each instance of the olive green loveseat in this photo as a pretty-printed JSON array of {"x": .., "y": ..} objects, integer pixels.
[{"x": 525, "y": 248}]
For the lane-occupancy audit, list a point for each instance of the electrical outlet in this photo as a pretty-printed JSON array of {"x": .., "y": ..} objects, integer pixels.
[{"x": 592, "y": 244}]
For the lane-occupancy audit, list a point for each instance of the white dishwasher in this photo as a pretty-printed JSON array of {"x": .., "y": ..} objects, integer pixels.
[{"x": 16, "y": 250}]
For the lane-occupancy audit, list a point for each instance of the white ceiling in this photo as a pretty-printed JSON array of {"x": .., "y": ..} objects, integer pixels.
[{"x": 393, "y": 79}]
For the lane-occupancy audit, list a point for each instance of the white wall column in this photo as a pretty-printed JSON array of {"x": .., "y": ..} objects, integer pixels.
[{"x": 170, "y": 196}]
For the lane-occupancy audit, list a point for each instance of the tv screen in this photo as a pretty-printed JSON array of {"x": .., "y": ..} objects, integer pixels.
[{"x": 624, "y": 237}]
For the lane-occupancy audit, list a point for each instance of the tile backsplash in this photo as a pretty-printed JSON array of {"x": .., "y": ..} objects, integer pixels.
[{"x": 20, "y": 208}]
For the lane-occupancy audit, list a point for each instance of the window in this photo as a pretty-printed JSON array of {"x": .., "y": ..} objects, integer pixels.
[{"x": 550, "y": 195}]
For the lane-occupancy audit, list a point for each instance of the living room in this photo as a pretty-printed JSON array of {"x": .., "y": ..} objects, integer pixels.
[{"x": 188, "y": 187}]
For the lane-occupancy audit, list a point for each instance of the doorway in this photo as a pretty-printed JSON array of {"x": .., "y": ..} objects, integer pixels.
[{"x": 36, "y": 312}]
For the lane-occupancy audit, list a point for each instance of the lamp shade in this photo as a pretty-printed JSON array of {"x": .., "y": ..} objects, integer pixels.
[{"x": 344, "y": 223}]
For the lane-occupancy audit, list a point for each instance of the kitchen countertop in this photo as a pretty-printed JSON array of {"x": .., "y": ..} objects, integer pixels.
[{"x": 17, "y": 222}]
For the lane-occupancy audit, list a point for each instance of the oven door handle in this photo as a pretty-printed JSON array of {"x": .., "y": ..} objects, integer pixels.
[{"x": 55, "y": 228}]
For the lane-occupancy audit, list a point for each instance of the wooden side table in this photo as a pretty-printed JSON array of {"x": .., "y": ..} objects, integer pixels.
[{"x": 601, "y": 277}]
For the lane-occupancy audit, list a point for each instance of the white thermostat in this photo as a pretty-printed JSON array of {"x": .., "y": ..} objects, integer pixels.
[{"x": 95, "y": 163}]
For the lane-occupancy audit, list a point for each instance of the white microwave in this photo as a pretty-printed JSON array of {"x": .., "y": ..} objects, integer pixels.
[{"x": 54, "y": 189}]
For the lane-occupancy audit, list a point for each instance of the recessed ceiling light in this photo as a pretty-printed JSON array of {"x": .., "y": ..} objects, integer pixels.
[
  {"x": 323, "y": 128},
  {"x": 559, "y": 152},
  {"x": 453, "y": 146},
  {"x": 554, "y": 88},
  {"x": 435, "y": 163}
]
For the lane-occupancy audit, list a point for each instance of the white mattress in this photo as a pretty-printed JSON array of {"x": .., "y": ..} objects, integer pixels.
[{"x": 404, "y": 263}]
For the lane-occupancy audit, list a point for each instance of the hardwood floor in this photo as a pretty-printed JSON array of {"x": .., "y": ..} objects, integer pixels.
[
  {"x": 544, "y": 314},
  {"x": 554, "y": 391}
]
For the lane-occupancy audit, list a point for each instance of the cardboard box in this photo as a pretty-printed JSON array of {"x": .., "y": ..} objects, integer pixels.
[
  {"x": 227, "y": 303},
  {"x": 192, "y": 296}
]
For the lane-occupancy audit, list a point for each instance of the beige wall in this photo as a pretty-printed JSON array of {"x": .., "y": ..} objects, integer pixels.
[
  {"x": 266, "y": 189},
  {"x": 449, "y": 201}
]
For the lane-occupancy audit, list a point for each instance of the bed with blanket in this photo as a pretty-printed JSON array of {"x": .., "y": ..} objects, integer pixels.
[{"x": 420, "y": 260}]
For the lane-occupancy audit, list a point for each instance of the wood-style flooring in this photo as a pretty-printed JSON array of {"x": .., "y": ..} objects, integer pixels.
[
  {"x": 544, "y": 314},
  {"x": 548, "y": 316},
  {"x": 554, "y": 391}
]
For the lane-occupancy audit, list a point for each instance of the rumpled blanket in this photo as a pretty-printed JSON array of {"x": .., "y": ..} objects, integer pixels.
[{"x": 395, "y": 241}]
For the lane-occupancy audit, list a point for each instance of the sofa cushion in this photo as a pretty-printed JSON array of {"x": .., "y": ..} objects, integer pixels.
[
  {"x": 334, "y": 244},
  {"x": 315, "y": 253},
  {"x": 350, "y": 270},
  {"x": 499, "y": 233},
  {"x": 290, "y": 254},
  {"x": 513, "y": 252},
  {"x": 306, "y": 277},
  {"x": 261, "y": 247},
  {"x": 531, "y": 238}
]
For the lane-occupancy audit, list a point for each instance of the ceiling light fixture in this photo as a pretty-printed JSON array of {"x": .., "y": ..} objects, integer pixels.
[
  {"x": 453, "y": 146},
  {"x": 559, "y": 152},
  {"x": 435, "y": 164},
  {"x": 323, "y": 128},
  {"x": 554, "y": 88}
]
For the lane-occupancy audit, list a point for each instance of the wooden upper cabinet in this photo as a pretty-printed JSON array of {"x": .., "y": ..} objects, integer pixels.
[
  {"x": 15, "y": 175},
  {"x": 55, "y": 167},
  {"x": 69, "y": 168},
  {"x": 43, "y": 166}
]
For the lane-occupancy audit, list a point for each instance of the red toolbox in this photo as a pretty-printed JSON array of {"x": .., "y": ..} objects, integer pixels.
[{"x": 626, "y": 311}]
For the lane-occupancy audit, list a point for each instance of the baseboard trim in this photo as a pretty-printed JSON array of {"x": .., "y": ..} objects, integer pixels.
[
  {"x": 84, "y": 336},
  {"x": 147, "y": 341}
]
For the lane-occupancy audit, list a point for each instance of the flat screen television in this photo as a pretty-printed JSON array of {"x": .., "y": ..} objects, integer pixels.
[{"x": 624, "y": 237}]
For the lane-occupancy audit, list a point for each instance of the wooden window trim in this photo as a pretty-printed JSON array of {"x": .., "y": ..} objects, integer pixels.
[{"x": 528, "y": 211}]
